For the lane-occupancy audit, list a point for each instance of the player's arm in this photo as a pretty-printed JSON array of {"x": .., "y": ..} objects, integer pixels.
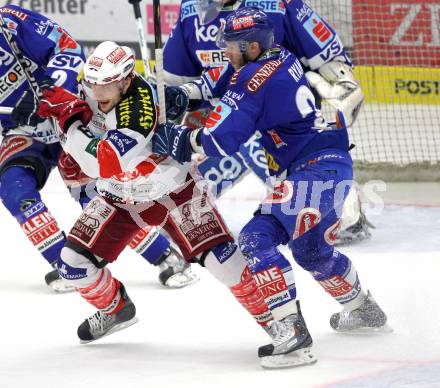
[
  {"x": 52, "y": 48},
  {"x": 230, "y": 124},
  {"x": 211, "y": 85},
  {"x": 180, "y": 64}
]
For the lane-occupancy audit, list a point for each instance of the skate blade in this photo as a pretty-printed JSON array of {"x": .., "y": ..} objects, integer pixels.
[
  {"x": 385, "y": 329},
  {"x": 61, "y": 287},
  {"x": 114, "y": 329},
  {"x": 290, "y": 360},
  {"x": 182, "y": 279}
]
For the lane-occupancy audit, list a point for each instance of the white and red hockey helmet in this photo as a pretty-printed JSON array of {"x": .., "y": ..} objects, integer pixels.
[{"x": 109, "y": 63}]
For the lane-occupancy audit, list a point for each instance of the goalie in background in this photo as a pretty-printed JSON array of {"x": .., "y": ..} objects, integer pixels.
[{"x": 299, "y": 29}]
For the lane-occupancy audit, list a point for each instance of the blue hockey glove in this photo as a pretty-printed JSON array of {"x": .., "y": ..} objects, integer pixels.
[
  {"x": 25, "y": 112},
  {"x": 173, "y": 140},
  {"x": 176, "y": 101}
]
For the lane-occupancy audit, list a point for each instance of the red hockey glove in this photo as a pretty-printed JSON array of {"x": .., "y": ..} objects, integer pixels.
[{"x": 64, "y": 106}]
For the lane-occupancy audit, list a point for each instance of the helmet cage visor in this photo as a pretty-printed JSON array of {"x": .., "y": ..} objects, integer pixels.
[
  {"x": 224, "y": 39},
  {"x": 102, "y": 92},
  {"x": 208, "y": 10}
]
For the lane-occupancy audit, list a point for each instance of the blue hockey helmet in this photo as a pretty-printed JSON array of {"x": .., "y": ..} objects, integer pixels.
[{"x": 244, "y": 26}]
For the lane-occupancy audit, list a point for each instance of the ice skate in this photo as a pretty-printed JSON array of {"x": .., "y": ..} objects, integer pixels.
[
  {"x": 291, "y": 345},
  {"x": 100, "y": 325},
  {"x": 368, "y": 318},
  {"x": 56, "y": 282},
  {"x": 174, "y": 271}
]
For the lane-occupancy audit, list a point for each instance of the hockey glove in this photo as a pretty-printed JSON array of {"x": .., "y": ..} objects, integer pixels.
[
  {"x": 177, "y": 101},
  {"x": 64, "y": 106},
  {"x": 336, "y": 84},
  {"x": 173, "y": 140},
  {"x": 25, "y": 112}
]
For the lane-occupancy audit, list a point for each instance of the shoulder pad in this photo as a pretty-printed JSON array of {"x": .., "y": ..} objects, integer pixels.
[{"x": 137, "y": 110}]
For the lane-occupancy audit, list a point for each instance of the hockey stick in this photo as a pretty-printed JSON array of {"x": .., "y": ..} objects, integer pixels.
[
  {"x": 158, "y": 53},
  {"x": 142, "y": 40},
  {"x": 5, "y": 110}
]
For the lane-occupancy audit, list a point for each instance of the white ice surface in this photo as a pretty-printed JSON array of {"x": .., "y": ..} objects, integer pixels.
[{"x": 200, "y": 337}]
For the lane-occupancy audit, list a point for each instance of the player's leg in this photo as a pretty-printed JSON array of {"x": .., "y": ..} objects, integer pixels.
[
  {"x": 314, "y": 232},
  {"x": 197, "y": 228},
  {"x": 336, "y": 273},
  {"x": 24, "y": 169},
  {"x": 154, "y": 247},
  {"x": 259, "y": 240},
  {"x": 98, "y": 237}
]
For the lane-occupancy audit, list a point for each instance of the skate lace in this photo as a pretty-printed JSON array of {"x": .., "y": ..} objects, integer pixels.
[
  {"x": 272, "y": 329},
  {"x": 349, "y": 319},
  {"x": 99, "y": 322},
  {"x": 285, "y": 330}
]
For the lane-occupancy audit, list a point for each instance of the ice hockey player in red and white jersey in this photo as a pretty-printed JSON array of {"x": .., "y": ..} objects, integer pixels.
[{"x": 108, "y": 136}]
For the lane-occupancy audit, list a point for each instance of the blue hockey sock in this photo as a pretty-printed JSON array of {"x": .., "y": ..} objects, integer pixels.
[
  {"x": 150, "y": 244},
  {"x": 18, "y": 192}
]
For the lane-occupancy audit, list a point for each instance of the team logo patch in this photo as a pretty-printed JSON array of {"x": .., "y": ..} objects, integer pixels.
[
  {"x": 213, "y": 75},
  {"x": 273, "y": 286},
  {"x": 331, "y": 234},
  {"x": 316, "y": 28},
  {"x": 276, "y": 138},
  {"x": 242, "y": 23},
  {"x": 12, "y": 146},
  {"x": 92, "y": 222},
  {"x": 281, "y": 193},
  {"x": 263, "y": 74},
  {"x": 42, "y": 230},
  {"x": 12, "y": 26},
  {"x": 217, "y": 116},
  {"x": 187, "y": 9},
  {"x": 336, "y": 286},
  {"x": 14, "y": 78},
  {"x": 63, "y": 41},
  {"x": 307, "y": 219},
  {"x": 268, "y": 6},
  {"x": 116, "y": 55},
  {"x": 18, "y": 14},
  {"x": 141, "y": 236},
  {"x": 198, "y": 222},
  {"x": 71, "y": 273},
  {"x": 121, "y": 142},
  {"x": 212, "y": 58},
  {"x": 96, "y": 62}
]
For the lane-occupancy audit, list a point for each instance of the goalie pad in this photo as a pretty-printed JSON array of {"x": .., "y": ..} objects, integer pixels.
[{"x": 337, "y": 86}]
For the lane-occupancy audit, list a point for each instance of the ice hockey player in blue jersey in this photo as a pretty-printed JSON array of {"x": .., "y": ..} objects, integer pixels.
[
  {"x": 30, "y": 146},
  {"x": 31, "y": 149},
  {"x": 264, "y": 89},
  {"x": 302, "y": 31}
]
